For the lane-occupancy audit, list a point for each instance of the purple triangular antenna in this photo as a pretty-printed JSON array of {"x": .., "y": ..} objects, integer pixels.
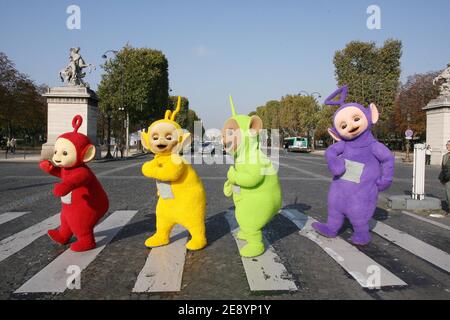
[{"x": 343, "y": 91}]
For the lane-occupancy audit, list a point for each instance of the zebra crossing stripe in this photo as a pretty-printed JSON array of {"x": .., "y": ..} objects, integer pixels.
[
  {"x": 266, "y": 272},
  {"x": 416, "y": 216},
  {"x": 417, "y": 247},
  {"x": 163, "y": 270},
  {"x": 361, "y": 267},
  {"x": 8, "y": 216},
  {"x": 20, "y": 240},
  {"x": 54, "y": 277}
]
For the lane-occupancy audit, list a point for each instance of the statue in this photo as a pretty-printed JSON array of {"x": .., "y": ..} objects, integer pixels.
[
  {"x": 73, "y": 72},
  {"x": 444, "y": 80}
]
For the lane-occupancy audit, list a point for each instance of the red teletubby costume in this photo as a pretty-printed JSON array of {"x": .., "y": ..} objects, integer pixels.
[{"x": 84, "y": 202}]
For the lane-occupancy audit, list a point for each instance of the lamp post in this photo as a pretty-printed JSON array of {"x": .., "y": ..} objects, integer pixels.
[
  {"x": 108, "y": 136},
  {"x": 311, "y": 131},
  {"x": 122, "y": 108}
]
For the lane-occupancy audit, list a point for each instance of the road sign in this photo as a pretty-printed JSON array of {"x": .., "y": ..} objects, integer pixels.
[{"x": 409, "y": 134}]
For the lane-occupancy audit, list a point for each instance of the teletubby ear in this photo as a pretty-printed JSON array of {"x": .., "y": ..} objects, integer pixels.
[
  {"x": 256, "y": 125},
  {"x": 333, "y": 134},
  {"x": 89, "y": 153},
  {"x": 375, "y": 113},
  {"x": 144, "y": 140}
]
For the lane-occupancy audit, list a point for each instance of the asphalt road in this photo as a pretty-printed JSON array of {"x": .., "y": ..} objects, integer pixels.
[{"x": 217, "y": 272}]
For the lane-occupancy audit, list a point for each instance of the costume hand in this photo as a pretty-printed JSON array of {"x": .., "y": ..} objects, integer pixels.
[
  {"x": 383, "y": 184},
  {"x": 231, "y": 175},
  {"x": 227, "y": 188},
  {"x": 338, "y": 167},
  {"x": 61, "y": 189},
  {"x": 46, "y": 165}
]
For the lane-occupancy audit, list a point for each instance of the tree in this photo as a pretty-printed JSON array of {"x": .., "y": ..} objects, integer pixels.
[
  {"x": 142, "y": 74},
  {"x": 413, "y": 96},
  {"x": 23, "y": 110},
  {"x": 371, "y": 73}
]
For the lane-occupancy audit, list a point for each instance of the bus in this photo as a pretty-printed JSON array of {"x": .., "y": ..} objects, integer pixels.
[{"x": 296, "y": 144}]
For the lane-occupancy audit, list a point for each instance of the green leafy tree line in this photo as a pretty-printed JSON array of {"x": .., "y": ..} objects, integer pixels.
[{"x": 23, "y": 110}]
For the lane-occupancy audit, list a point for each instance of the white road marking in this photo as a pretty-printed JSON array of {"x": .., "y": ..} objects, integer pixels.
[
  {"x": 53, "y": 278},
  {"x": 356, "y": 263},
  {"x": 438, "y": 224},
  {"x": 264, "y": 273},
  {"x": 8, "y": 216},
  {"x": 417, "y": 247},
  {"x": 20, "y": 240},
  {"x": 163, "y": 270}
]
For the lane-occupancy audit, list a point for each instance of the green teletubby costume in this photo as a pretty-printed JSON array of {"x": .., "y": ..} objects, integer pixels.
[{"x": 252, "y": 181}]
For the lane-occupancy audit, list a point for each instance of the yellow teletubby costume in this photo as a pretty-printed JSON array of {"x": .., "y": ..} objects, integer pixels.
[{"x": 182, "y": 198}]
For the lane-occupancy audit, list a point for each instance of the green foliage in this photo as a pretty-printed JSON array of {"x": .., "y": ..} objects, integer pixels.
[
  {"x": 371, "y": 73},
  {"x": 145, "y": 85},
  {"x": 23, "y": 110}
]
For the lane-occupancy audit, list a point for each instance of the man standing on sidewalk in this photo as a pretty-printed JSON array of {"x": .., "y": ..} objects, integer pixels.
[
  {"x": 444, "y": 176},
  {"x": 428, "y": 151}
]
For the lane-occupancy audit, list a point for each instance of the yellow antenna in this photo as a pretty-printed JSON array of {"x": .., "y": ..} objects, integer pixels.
[
  {"x": 167, "y": 115},
  {"x": 177, "y": 109},
  {"x": 233, "y": 111}
]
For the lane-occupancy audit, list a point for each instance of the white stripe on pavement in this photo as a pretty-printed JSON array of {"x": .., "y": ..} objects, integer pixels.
[
  {"x": 264, "y": 273},
  {"x": 356, "y": 263},
  {"x": 20, "y": 240},
  {"x": 54, "y": 277},
  {"x": 8, "y": 216},
  {"x": 438, "y": 224},
  {"x": 163, "y": 270},
  {"x": 417, "y": 247}
]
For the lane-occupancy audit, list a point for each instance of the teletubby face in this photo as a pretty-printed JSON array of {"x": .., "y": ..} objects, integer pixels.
[
  {"x": 231, "y": 136},
  {"x": 65, "y": 153},
  {"x": 163, "y": 137},
  {"x": 350, "y": 123}
]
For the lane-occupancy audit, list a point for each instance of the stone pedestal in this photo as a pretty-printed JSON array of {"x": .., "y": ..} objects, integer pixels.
[
  {"x": 438, "y": 127},
  {"x": 63, "y": 104}
]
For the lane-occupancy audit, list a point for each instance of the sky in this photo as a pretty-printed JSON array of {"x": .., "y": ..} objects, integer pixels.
[{"x": 256, "y": 50}]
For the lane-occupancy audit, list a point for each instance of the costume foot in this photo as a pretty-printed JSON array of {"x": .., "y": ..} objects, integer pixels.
[
  {"x": 156, "y": 241},
  {"x": 56, "y": 236},
  {"x": 241, "y": 235},
  {"x": 81, "y": 246},
  {"x": 361, "y": 239},
  {"x": 252, "y": 250},
  {"x": 196, "y": 243},
  {"x": 324, "y": 230}
]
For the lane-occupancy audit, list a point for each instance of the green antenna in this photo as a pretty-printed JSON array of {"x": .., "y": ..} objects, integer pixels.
[{"x": 233, "y": 111}]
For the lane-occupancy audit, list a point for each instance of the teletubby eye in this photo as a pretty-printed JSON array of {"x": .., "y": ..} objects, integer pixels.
[
  {"x": 56, "y": 151},
  {"x": 357, "y": 119},
  {"x": 155, "y": 138},
  {"x": 343, "y": 126},
  {"x": 169, "y": 137},
  {"x": 64, "y": 153}
]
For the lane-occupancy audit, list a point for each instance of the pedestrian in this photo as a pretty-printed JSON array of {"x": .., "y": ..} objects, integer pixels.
[
  {"x": 121, "y": 148},
  {"x": 13, "y": 145},
  {"x": 428, "y": 151},
  {"x": 8, "y": 145},
  {"x": 444, "y": 176},
  {"x": 116, "y": 150}
]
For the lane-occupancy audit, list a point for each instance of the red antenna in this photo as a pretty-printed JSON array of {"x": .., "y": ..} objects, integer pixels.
[{"x": 76, "y": 123}]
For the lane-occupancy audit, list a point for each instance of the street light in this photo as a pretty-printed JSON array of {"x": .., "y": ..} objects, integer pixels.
[
  {"x": 122, "y": 108},
  {"x": 108, "y": 114},
  {"x": 311, "y": 131}
]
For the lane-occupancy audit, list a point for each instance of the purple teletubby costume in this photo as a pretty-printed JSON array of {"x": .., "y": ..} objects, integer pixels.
[{"x": 361, "y": 167}]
